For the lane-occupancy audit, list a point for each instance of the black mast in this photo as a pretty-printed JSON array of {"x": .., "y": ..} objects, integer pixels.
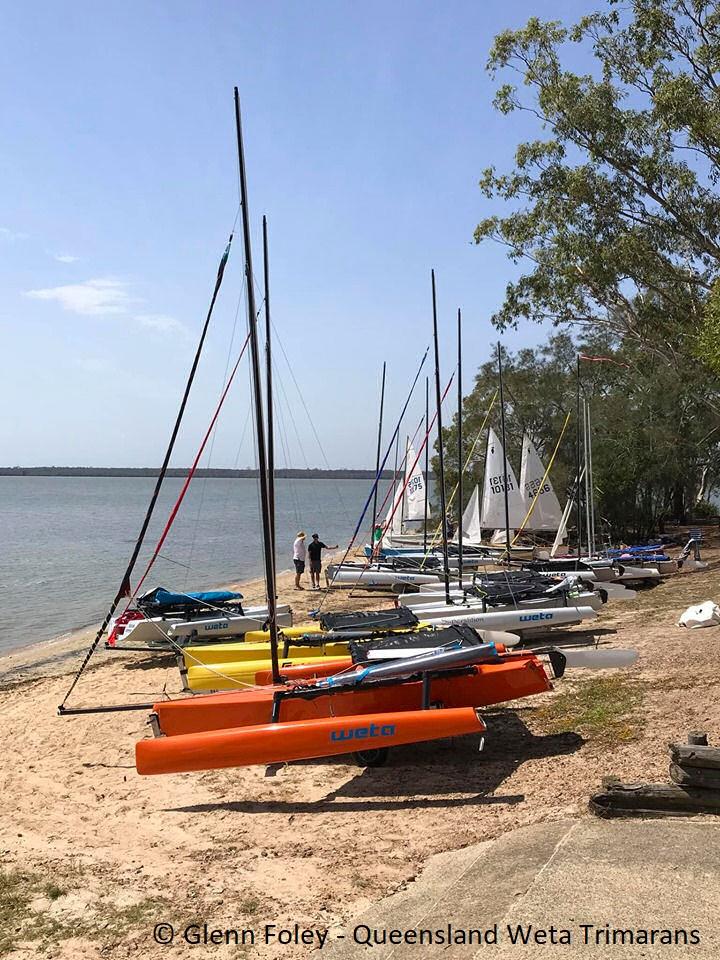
[
  {"x": 257, "y": 394},
  {"x": 125, "y": 590},
  {"x": 505, "y": 463},
  {"x": 377, "y": 459},
  {"x": 427, "y": 459},
  {"x": 460, "y": 453},
  {"x": 577, "y": 457},
  {"x": 441, "y": 459},
  {"x": 269, "y": 390}
]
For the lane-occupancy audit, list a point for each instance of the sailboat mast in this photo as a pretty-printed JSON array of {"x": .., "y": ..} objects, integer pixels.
[
  {"x": 441, "y": 458},
  {"x": 269, "y": 390},
  {"x": 577, "y": 457},
  {"x": 590, "y": 487},
  {"x": 505, "y": 462},
  {"x": 460, "y": 451},
  {"x": 404, "y": 500},
  {"x": 586, "y": 451},
  {"x": 257, "y": 394},
  {"x": 377, "y": 458},
  {"x": 427, "y": 460}
]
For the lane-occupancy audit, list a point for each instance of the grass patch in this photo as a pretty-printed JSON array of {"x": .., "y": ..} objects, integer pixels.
[
  {"x": 603, "y": 710},
  {"x": 101, "y": 921},
  {"x": 15, "y": 895},
  {"x": 53, "y": 892}
]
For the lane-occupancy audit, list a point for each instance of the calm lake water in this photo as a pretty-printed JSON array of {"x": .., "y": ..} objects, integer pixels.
[{"x": 66, "y": 540}]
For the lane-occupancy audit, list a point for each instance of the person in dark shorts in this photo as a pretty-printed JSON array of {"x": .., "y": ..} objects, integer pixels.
[
  {"x": 299, "y": 552},
  {"x": 315, "y": 549}
]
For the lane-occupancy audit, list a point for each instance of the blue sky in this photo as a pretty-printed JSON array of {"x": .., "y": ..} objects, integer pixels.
[{"x": 367, "y": 127}]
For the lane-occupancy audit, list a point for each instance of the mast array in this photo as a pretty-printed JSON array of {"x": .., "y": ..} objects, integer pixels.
[
  {"x": 377, "y": 455},
  {"x": 505, "y": 462},
  {"x": 266, "y": 479},
  {"x": 460, "y": 450},
  {"x": 438, "y": 401}
]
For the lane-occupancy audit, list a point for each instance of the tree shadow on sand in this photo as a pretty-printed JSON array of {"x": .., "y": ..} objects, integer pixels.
[{"x": 443, "y": 774}]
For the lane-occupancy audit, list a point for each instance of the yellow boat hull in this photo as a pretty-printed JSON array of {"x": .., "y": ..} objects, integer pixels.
[
  {"x": 229, "y": 666},
  {"x": 235, "y": 675}
]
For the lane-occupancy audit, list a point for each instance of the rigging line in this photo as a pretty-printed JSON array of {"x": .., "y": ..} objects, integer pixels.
[
  {"x": 543, "y": 482},
  {"x": 285, "y": 444},
  {"x": 316, "y": 496},
  {"x": 203, "y": 486},
  {"x": 381, "y": 468},
  {"x": 402, "y": 469},
  {"x": 408, "y": 475},
  {"x": 191, "y": 472},
  {"x": 478, "y": 435},
  {"x": 124, "y": 589},
  {"x": 220, "y": 524},
  {"x": 184, "y": 651},
  {"x": 310, "y": 420}
]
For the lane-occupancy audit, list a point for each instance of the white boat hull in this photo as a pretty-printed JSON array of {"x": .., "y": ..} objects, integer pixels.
[
  {"x": 156, "y": 630},
  {"x": 513, "y": 621},
  {"x": 379, "y": 578},
  {"x": 418, "y": 601}
]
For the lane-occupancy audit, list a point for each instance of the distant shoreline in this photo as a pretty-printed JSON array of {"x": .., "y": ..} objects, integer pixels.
[{"x": 250, "y": 474}]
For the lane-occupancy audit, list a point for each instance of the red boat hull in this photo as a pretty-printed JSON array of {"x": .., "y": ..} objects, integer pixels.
[{"x": 512, "y": 678}]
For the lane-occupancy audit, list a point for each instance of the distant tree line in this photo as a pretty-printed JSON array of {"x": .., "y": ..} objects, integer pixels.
[{"x": 283, "y": 474}]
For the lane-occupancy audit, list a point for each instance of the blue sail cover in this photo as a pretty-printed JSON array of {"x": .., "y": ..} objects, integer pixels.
[{"x": 166, "y": 598}]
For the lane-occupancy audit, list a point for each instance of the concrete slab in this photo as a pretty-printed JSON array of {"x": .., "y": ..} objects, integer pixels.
[{"x": 565, "y": 886}]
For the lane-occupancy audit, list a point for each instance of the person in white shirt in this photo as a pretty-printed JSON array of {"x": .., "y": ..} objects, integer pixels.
[{"x": 299, "y": 554}]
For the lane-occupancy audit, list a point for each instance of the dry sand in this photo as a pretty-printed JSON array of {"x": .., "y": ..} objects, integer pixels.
[{"x": 95, "y": 856}]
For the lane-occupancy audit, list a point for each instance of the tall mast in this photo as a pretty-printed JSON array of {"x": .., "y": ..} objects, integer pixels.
[
  {"x": 403, "y": 501},
  {"x": 586, "y": 452},
  {"x": 460, "y": 452},
  {"x": 427, "y": 459},
  {"x": 377, "y": 458},
  {"x": 265, "y": 483},
  {"x": 577, "y": 458},
  {"x": 505, "y": 463},
  {"x": 441, "y": 458},
  {"x": 589, "y": 481},
  {"x": 269, "y": 390}
]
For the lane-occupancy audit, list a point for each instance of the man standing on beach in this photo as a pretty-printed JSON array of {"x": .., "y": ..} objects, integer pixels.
[
  {"x": 299, "y": 552},
  {"x": 315, "y": 549}
]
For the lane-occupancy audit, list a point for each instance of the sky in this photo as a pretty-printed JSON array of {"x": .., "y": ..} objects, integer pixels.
[{"x": 367, "y": 127}]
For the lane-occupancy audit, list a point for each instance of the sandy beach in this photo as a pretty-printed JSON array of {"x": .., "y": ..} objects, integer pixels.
[{"x": 95, "y": 856}]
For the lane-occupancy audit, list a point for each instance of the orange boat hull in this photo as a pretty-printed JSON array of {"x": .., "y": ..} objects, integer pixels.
[
  {"x": 299, "y": 740},
  {"x": 511, "y": 678}
]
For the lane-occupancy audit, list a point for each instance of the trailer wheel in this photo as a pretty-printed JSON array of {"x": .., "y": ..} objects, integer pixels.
[{"x": 372, "y": 758}]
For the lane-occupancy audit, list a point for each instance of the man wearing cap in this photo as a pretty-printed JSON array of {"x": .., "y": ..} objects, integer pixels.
[
  {"x": 299, "y": 554},
  {"x": 315, "y": 551}
]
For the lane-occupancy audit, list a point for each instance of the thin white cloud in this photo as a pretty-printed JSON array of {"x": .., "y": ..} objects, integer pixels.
[
  {"x": 161, "y": 323},
  {"x": 12, "y": 235},
  {"x": 65, "y": 258},
  {"x": 94, "y": 298}
]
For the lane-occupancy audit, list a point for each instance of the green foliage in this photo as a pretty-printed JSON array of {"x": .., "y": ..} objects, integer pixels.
[
  {"x": 615, "y": 211},
  {"x": 655, "y": 447},
  {"x": 704, "y": 510}
]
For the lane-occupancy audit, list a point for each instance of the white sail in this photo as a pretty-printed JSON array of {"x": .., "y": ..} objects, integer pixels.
[
  {"x": 493, "y": 503},
  {"x": 471, "y": 518},
  {"x": 416, "y": 490},
  {"x": 546, "y": 512},
  {"x": 498, "y": 538},
  {"x": 394, "y": 527},
  {"x": 561, "y": 535}
]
